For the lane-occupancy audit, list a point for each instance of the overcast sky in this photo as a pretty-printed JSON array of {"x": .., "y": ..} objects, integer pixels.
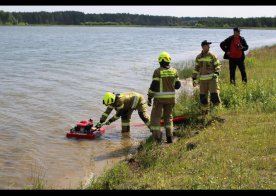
[{"x": 178, "y": 11}]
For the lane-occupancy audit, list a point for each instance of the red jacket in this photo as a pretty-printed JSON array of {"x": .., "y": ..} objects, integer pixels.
[{"x": 226, "y": 45}]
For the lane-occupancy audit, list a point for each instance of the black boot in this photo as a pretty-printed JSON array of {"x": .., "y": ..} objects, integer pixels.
[
  {"x": 125, "y": 129},
  {"x": 169, "y": 140}
]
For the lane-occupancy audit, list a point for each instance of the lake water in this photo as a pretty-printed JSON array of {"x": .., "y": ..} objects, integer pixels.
[{"x": 52, "y": 77}]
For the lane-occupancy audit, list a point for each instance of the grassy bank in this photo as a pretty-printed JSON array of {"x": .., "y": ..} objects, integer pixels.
[{"x": 237, "y": 154}]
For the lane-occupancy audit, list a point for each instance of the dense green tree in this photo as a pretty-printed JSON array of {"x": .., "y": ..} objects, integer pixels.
[{"x": 79, "y": 18}]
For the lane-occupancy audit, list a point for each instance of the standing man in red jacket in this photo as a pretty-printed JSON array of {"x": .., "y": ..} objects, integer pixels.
[{"x": 234, "y": 47}]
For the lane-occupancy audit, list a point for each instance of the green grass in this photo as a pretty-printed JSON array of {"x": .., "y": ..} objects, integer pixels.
[
  {"x": 226, "y": 157},
  {"x": 184, "y": 69},
  {"x": 237, "y": 154}
]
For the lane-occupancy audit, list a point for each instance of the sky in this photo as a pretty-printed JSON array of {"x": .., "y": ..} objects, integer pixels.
[{"x": 177, "y": 11}]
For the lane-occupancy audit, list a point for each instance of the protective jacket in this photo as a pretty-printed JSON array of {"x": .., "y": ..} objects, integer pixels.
[
  {"x": 123, "y": 102},
  {"x": 165, "y": 81},
  {"x": 206, "y": 64},
  {"x": 226, "y": 44}
]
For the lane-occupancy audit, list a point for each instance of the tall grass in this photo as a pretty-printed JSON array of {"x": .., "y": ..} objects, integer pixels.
[
  {"x": 37, "y": 178},
  {"x": 259, "y": 94},
  {"x": 184, "y": 69}
]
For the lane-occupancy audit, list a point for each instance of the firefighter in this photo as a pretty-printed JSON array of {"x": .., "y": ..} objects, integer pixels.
[
  {"x": 206, "y": 71},
  {"x": 162, "y": 89},
  {"x": 124, "y": 104}
]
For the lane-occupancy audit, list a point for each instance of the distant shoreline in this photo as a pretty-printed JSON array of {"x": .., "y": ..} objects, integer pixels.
[{"x": 150, "y": 26}]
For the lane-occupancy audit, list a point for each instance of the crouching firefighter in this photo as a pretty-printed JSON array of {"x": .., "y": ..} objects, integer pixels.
[
  {"x": 207, "y": 68},
  {"x": 164, "y": 82},
  {"x": 124, "y": 104}
]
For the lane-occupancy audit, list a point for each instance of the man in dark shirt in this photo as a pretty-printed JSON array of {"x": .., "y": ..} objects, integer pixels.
[{"x": 234, "y": 47}]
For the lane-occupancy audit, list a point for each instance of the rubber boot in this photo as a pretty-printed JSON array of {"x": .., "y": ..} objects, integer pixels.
[
  {"x": 125, "y": 129},
  {"x": 169, "y": 140},
  {"x": 169, "y": 136}
]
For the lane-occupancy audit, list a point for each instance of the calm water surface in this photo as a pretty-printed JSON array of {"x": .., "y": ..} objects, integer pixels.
[{"x": 53, "y": 77}]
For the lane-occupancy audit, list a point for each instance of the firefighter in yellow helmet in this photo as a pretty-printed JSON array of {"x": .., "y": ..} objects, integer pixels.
[
  {"x": 124, "y": 104},
  {"x": 207, "y": 70},
  {"x": 162, "y": 89}
]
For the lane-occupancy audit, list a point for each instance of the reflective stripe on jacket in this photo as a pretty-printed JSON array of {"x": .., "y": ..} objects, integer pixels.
[
  {"x": 123, "y": 101},
  {"x": 206, "y": 65},
  {"x": 165, "y": 79}
]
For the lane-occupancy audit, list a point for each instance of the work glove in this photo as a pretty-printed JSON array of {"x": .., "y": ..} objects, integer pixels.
[
  {"x": 216, "y": 75},
  {"x": 99, "y": 125},
  {"x": 149, "y": 102},
  {"x": 107, "y": 122},
  {"x": 195, "y": 82}
]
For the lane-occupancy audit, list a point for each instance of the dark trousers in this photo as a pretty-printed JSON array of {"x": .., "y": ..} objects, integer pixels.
[{"x": 232, "y": 67}]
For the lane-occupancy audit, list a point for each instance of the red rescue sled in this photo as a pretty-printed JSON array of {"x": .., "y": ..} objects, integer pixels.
[{"x": 85, "y": 130}]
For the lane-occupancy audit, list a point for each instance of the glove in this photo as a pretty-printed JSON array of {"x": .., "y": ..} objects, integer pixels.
[
  {"x": 149, "y": 102},
  {"x": 98, "y": 125},
  {"x": 216, "y": 75},
  {"x": 195, "y": 82},
  {"x": 107, "y": 122}
]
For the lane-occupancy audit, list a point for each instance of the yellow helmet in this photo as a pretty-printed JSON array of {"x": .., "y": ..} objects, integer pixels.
[
  {"x": 109, "y": 98},
  {"x": 164, "y": 56}
]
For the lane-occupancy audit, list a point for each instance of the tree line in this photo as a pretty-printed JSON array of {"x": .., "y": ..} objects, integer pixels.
[{"x": 79, "y": 18}]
